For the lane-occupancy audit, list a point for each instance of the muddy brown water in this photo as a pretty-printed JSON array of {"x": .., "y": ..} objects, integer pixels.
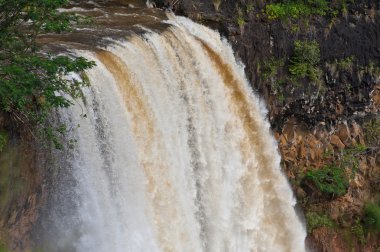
[{"x": 115, "y": 20}]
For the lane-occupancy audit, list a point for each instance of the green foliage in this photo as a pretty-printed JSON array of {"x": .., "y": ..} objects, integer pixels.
[
  {"x": 3, "y": 140},
  {"x": 372, "y": 216},
  {"x": 314, "y": 220},
  {"x": 330, "y": 180},
  {"x": 373, "y": 69},
  {"x": 32, "y": 83},
  {"x": 295, "y": 9},
  {"x": 240, "y": 18},
  {"x": 272, "y": 66},
  {"x": 305, "y": 60},
  {"x": 346, "y": 63},
  {"x": 3, "y": 248},
  {"x": 342, "y": 6},
  {"x": 358, "y": 230}
]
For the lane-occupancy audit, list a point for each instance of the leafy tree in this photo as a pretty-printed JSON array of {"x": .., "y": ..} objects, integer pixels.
[
  {"x": 33, "y": 82},
  {"x": 304, "y": 62}
]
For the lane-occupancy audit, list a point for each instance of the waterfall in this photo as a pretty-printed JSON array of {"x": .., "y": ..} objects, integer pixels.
[{"x": 173, "y": 153}]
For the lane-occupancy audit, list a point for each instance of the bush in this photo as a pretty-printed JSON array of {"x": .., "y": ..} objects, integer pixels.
[
  {"x": 372, "y": 216},
  {"x": 272, "y": 66},
  {"x": 297, "y": 9},
  {"x": 330, "y": 180},
  {"x": 305, "y": 60},
  {"x": 346, "y": 63},
  {"x": 315, "y": 220},
  {"x": 358, "y": 230}
]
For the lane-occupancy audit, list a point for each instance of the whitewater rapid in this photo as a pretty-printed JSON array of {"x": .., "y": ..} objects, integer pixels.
[{"x": 173, "y": 153}]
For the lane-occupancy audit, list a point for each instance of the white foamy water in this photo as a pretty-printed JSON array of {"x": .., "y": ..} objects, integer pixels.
[{"x": 174, "y": 153}]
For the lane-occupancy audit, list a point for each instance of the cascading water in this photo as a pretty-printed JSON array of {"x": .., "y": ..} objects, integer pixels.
[{"x": 173, "y": 153}]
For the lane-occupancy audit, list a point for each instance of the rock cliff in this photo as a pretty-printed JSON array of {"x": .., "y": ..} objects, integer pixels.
[{"x": 328, "y": 120}]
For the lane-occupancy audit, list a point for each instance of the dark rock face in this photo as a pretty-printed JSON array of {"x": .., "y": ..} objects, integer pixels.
[
  {"x": 355, "y": 35},
  {"x": 316, "y": 123}
]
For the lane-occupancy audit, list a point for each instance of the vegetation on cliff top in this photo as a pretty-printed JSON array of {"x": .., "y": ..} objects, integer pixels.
[
  {"x": 32, "y": 82},
  {"x": 296, "y": 9}
]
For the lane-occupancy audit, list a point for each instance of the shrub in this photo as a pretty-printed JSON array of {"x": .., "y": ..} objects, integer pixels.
[
  {"x": 358, "y": 230},
  {"x": 296, "y": 9},
  {"x": 271, "y": 67},
  {"x": 305, "y": 60},
  {"x": 372, "y": 216},
  {"x": 330, "y": 180},
  {"x": 315, "y": 220},
  {"x": 346, "y": 63}
]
